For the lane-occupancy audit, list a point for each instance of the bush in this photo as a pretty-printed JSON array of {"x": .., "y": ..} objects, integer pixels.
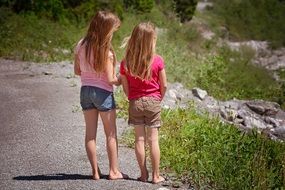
[
  {"x": 142, "y": 6},
  {"x": 62, "y": 9},
  {"x": 185, "y": 9}
]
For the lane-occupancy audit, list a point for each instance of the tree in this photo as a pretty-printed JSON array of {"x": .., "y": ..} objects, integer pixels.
[{"x": 185, "y": 9}]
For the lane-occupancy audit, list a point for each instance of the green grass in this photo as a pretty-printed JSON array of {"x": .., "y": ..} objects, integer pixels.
[
  {"x": 253, "y": 19},
  {"x": 26, "y": 37},
  {"x": 216, "y": 155},
  {"x": 213, "y": 155},
  {"x": 231, "y": 75}
]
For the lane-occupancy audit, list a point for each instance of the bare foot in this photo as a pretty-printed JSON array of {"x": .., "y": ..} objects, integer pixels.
[
  {"x": 143, "y": 179},
  {"x": 158, "y": 180},
  {"x": 96, "y": 175},
  {"x": 119, "y": 175}
]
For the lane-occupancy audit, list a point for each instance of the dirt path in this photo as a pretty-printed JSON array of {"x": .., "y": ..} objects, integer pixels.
[{"x": 42, "y": 132}]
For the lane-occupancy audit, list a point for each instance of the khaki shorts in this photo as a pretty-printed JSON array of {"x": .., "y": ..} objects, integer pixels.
[{"x": 144, "y": 111}]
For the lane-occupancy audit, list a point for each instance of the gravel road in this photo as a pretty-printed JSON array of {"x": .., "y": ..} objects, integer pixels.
[{"x": 42, "y": 132}]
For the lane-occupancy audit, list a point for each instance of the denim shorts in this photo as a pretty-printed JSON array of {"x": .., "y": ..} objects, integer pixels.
[{"x": 96, "y": 98}]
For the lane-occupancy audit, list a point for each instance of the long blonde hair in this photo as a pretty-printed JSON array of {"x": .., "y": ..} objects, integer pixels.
[
  {"x": 140, "y": 50},
  {"x": 98, "y": 39}
]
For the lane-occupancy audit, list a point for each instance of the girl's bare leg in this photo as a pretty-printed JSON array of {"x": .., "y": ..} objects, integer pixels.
[
  {"x": 91, "y": 121},
  {"x": 152, "y": 135},
  {"x": 140, "y": 152},
  {"x": 109, "y": 122}
]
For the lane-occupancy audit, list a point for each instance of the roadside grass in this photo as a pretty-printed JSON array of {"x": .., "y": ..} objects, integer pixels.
[
  {"x": 251, "y": 19},
  {"x": 217, "y": 155},
  {"x": 209, "y": 154},
  {"x": 26, "y": 37},
  {"x": 231, "y": 75}
]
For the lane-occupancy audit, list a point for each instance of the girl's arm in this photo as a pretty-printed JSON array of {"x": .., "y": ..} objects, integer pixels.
[
  {"x": 163, "y": 82},
  {"x": 125, "y": 84},
  {"x": 77, "y": 70},
  {"x": 111, "y": 76}
]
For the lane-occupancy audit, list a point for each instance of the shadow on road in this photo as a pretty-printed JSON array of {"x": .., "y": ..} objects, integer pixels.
[{"x": 60, "y": 176}]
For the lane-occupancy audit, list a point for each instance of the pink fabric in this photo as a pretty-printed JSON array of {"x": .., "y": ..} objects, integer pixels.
[
  {"x": 89, "y": 77},
  {"x": 139, "y": 88}
]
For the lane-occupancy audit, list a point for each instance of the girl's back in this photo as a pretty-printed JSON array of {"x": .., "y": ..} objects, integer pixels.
[
  {"x": 89, "y": 77},
  {"x": 142, "y": 87}
]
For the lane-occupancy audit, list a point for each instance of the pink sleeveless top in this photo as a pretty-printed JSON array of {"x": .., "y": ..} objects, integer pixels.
[{"x": 89, "y": 77}]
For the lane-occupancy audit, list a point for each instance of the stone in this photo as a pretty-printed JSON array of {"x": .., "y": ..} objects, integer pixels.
[
  {"x": 263, "y": 115},
  {"x": 252, "y": 122},
  {"x": 199, "y": 93},
  {"x": 202, "y": 6},
  {"x": 279, "y": 132},
  {"x": 172, "y": 94},
  {"x": 262, "y": 107}
]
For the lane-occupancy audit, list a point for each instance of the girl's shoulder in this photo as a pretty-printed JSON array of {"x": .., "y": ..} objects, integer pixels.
[
  {"x": 111, "y": 54},
  {"x": 158, "y": 60},
  {"x": 78, "y": 45}
]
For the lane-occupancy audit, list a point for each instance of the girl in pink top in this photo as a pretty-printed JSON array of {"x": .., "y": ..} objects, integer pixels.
[
  {"x": 95, "y": 64},
  {"x": 144, "y": 82}
]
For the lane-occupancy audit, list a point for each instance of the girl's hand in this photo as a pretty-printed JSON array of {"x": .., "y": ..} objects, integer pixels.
[
  {"x": 77, "y": 70},
  {"x": 163, "y": 82},
  {"x": 125, "y": 84},
  {"x": 119, "y": 81},
  {"x": 110, "y": 71}
]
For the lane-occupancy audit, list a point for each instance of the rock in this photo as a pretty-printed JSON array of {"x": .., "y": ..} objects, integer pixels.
[
  {"x": 172, "y": 93},
  {"x": 279, "y": 132},
  {"x": 47, "y": 73},
  {"x": 201, "y": 6},
  {"x": 208, "y": 35},
  {"x": 252, "y": 122},
  {"x": 258, "y": 46},
  {"x": 244, "y": 114},
  {"x": 271, "y": 121},
  {"x": 273, "y": 59},
  {"x": 263, "y": 108},
  {"x": 201, "y": 94}
]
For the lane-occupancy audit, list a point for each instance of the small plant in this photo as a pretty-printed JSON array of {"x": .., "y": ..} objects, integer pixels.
[
  {"x": 76, "y": 108},
  {"x": 121, "y": 103}
]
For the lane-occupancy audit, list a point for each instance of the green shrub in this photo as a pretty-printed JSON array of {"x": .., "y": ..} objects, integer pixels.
[
  {"x": 52, "y": 9},
  {"x": 185, "y": 9},
  {"x": 142, "y": 6}
]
